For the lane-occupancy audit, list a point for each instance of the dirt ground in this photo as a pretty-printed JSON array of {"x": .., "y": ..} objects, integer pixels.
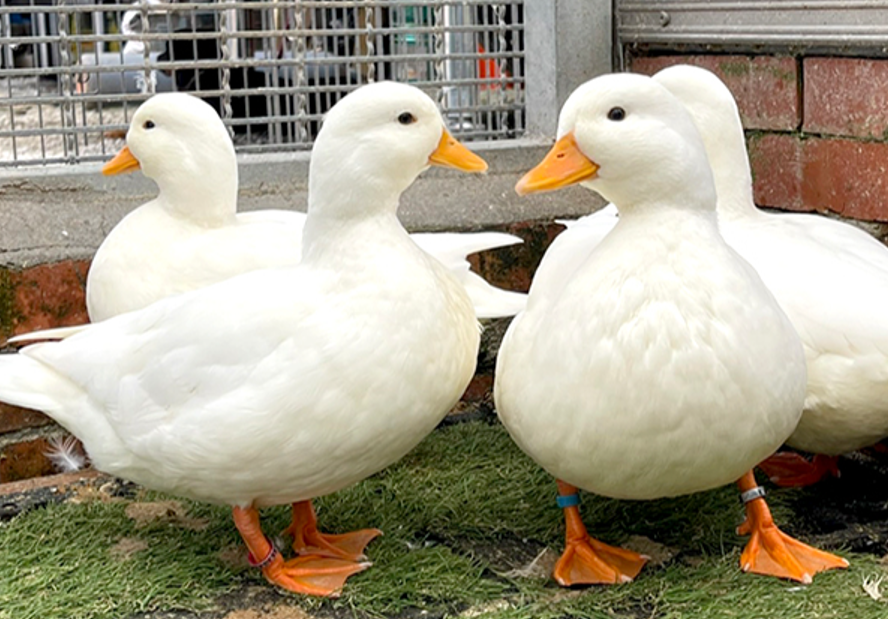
[{"x": 849, "y": 512}]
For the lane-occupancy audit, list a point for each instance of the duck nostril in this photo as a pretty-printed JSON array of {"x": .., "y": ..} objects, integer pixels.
[{"x": 559, "y": 156}]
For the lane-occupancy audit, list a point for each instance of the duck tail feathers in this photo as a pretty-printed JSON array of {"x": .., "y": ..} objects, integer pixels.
[
  {"x": 29, "y": 383},
  {"x": 490, "y": 301},
  {"x": 59, "y": 333},
  {"x": 452, "y": 248}
]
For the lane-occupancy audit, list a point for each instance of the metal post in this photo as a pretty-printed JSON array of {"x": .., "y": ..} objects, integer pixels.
[
  {"x": 67, "y": 108},
  {"x": 567, "y": 43},
  {"x": 438, "y": 36},
  {"x": 224, "y": 29},
  {"x": 369, "y": 24},
  {"x": 6, "y": 31},
  {"x": 148, "y": 72},
  {"x": 42, "y": 59},
  {"x": 299, "y": 77},
  {"x": 500, "y": 11}
]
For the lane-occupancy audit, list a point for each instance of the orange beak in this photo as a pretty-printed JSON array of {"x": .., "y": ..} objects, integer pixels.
[
  {"x": 452, "y": 154},
  {"x": 562, "y": 166},
  {"x": 123, "y": 162}
]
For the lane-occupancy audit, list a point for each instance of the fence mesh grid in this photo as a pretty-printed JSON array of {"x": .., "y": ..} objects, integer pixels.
[{"x": 72, "y": 72}]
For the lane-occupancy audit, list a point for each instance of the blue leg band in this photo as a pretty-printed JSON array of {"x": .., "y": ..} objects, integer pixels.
[{"x": 568, "y": 500}]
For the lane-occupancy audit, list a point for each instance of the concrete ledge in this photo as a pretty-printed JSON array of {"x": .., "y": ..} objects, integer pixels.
[{"x": 63, "y": 213}]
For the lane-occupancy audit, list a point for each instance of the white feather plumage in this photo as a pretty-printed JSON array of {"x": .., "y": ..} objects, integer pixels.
[
  {"x": 64, "y": 454},
  {"x": 191, "y": 235},
  {"x": 279, "y": 385},
  {"x": 830, "y": 277},
  {"x": 660, "y": 364}
]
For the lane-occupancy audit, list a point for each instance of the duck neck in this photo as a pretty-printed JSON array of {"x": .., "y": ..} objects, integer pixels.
[
  {"x": 207, "y": 198},
  {"x": 666, "y": 215},
  {"x": 682, "y": 187},
  {"x": 342, "y": 215},
  {"x": 733, "y": 178},
  {"x": 725, "y": 144}
]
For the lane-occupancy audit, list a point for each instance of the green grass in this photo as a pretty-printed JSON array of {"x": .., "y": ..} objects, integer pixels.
[{"x": 458, "y": 513}]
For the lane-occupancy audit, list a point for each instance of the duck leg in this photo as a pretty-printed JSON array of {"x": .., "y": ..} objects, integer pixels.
[
  {"x": 307, "y": 540},
  {"x": 310, "y": 575},
  {"x": 792, "y": 470},
  {"x": 586, "y": 560},
  {"x": 772, "y": 552}
]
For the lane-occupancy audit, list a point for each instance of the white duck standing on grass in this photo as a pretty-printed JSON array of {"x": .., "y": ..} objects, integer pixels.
[
  {"x": 662, "y": 366},
  {"x": 830, "y": 278},
  {"x": 281, "y": 385},
  {"x": 191, "y": 236}
]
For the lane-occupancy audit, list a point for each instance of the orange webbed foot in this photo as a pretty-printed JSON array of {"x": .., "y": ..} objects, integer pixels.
[
  {"x": 311, "y": 575},
  {"x": 770, "y": 551},
  {"x": 307, "y": 540},
  {"x": 348, "y": 546},
  {"x": 590, "y": 562},
  {"x": 585, "y": 560},
  {"x": 791, "y": 470}
]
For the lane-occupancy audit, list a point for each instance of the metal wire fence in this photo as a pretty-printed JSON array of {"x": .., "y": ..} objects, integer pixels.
[{"x": 72, "y": 72}]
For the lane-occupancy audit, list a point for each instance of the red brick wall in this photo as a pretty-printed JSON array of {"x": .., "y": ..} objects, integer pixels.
[
  {"x": 48, "y": 295},
  {"x": 817, "y": 128}
]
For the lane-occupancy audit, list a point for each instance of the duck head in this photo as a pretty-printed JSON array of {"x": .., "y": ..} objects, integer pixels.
[
  {"x": 374, "y": 143},
  {"x": 626, "y": 137},
  {"x": 714, "y": 112},
  {"x": 179, "y": 142}
]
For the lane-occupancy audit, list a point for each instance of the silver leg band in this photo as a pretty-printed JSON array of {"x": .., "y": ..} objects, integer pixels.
[
  {"x": 272, "y": 553},
  {"x": 751, "y": 495}
]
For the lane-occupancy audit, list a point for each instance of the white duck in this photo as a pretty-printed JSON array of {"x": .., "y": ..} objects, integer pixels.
[
  {"x": 280, "y": 385},
  {"x": 830, "y": 278},
  {"x": 663, "y": 366},
  {"x": 191, "y": 235}
]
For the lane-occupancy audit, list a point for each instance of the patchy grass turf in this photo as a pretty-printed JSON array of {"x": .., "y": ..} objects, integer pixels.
[{"x": 460, "y": 515}]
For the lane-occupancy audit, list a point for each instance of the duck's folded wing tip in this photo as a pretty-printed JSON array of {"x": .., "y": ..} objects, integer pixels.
[{"x": 59, "y": 333}]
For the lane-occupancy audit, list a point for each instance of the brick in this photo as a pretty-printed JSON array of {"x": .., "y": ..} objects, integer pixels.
[
  {"x": 776, "y": 161},
  {"x": 474, "y": 261},
  {"x": 480, "y": 389},
  {"x": 847, "y": 177},
  {"x": 846, "y": 96},
  {"x": 49, "y": 295},
  {"x": 14, "y": 418},
  {"x": 766, "y": 87},
  {"x": 60, "y": 480},
  {"x": 24, "y": 460},
  {"x": 512, "y": 267},
  {"x": 844, "y": 176}
]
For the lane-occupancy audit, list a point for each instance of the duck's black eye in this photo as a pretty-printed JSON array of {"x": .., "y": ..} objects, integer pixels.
[
  {"x": 406, "y": 118},
  {"x": 616, "y": 113},
  {"x": 148, "y": 124}
]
